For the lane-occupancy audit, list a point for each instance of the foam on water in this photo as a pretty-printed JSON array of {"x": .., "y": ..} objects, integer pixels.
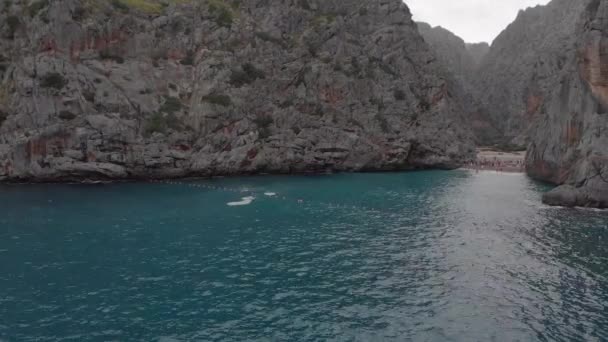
[{"x": 244, "y": 201}]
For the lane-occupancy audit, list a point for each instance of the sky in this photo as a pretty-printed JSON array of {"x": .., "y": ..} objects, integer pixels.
[{"x": 472, "y": 20}]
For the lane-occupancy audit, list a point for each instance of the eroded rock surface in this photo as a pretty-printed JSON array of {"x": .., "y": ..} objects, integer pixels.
[
  {"x": 569, "y": 143},
  {"x": 544, "y": 84},
  {"x": 462, "y": 62},
  {"x": 105, "y": 89},
  {"x": 524, "y": 65}
]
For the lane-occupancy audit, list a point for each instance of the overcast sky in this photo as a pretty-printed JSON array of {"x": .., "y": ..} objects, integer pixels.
[{"x": 472, "y": 20}]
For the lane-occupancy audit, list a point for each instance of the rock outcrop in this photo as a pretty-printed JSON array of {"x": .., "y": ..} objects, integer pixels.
[
  {"x": 544, "y": 84},
  {"x": 462, "y": 62},
  {"x": 569, "y": 141},
  {"x": 524, "y": 65},
  {"x": 160, "y": 88},
  {"x": 451, "y": 51}
]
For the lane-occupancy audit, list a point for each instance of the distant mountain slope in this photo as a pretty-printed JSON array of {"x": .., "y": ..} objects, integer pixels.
[
  {"x": 478, "y": 52},
  {"x": 462, "y": 62}
]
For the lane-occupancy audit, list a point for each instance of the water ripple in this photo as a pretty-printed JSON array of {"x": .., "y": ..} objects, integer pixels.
[{"x": 427, "y": 256}]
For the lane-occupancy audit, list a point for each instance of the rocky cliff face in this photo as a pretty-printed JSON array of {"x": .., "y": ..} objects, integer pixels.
[
  {"x": 569, "y": 141},
  {"x": 544, "y": 84},
  {"x": 524, "y": 64},
  {"x": 451, "y": 51},
  {"x": 462, "y": 62},
  {"x": 159, "y": 88}
]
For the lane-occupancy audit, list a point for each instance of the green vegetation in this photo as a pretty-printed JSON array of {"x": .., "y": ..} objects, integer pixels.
[
  {"x": 12, "y": 23},
  {"x": 424, "y": 105},
  {"x": 355, "y": 122},
  {"x": 383, "y": 123},
  {"x": 109, "y": 55},
  {"x": 312, "y": 47},
  {"x": 37, "y": 6},
  {"x": 352, "y": 69},
  {"x": 223, "y": 12},
  {"x": 79, "y": 13},
  {"x": 145, "y": 6},
  {"x": 119, "y": 5},
  {"x": 160, "y": 123},
  {"x": 67, "y": 115},
  {"x": 399, "y": 94},
  {"x": 171, "y": 105},
  {"x": 189, "y": 59},
  {"x": 286, "y": 104},
  {"x": 263, "y": 121},
  {"x": 4, "y": 95},
  {"x": 304, "y": 4},
  {"x": 150, "y": 7},
  {"x": 7, "y": 6},
  {"x": 324, "y": 19},
  {"x": 509, "y": 147},
  {"x": 248, "y": 74},
  {"x": 89, "y": 95},
  {"x": 156, "y": 124},
  {"x": 217, "y": 99},
  {"x": 3, "y": 117},
  {"x": 53, "y": 80}
]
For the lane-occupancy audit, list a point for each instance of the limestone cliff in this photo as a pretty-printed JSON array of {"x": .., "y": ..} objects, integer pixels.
[
  {"x": 164, "y": 88},
  {"x": 462, "y": 61},
  {"x": 523, "y": 65},
  {"x": 569, "y": 142},
  {"x": 544, "y": 84}
]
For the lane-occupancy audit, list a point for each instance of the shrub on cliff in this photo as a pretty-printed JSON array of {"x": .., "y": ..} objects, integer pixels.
[
  {"x": 37, "y": 6},
  {"x": 109, "y": 55},
  {"x": 155, "y": 124},
  {"x": 399, "y": 95},
  {"x": 188, "y": 59},
  {"x": 3, "y": 117},
  {"x": 67, "y": 115},
  {"x": 223, "y": 13},
  {"x": 53, "y": 80},
  {"x": 217, "y": 99},
  {"x": 12, "y": 24},
  {"x": 263, "y": 121},
  {"x": 171, "y": 105},
  {"x": 248, "y": 74},
  {"x": 160, "y": 123}
]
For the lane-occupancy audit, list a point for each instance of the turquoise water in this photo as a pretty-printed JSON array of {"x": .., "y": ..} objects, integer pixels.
[{"x": 426, "y": 256}]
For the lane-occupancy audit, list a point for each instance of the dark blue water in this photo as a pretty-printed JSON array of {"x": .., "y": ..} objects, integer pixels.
[{"x": 428, "y": 256}]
